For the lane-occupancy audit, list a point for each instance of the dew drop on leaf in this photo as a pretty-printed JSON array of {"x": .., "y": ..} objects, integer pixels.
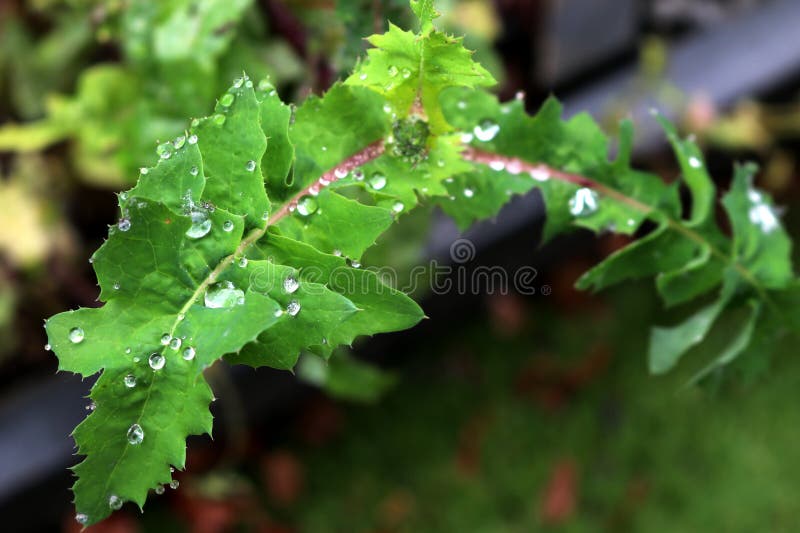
[
  {"x": 398, "y": 207},
  {"x": 76, "y": 335},
  {"x": 358, "y": 174},
  {"x": 82, "y": 519},
  {"x": 583, "y": 202},
  {"x": 116, "y": 285},
  {"x": 135, "y": 434},
  {"x": 156, "y": 361},
  {"x": 243, "y": 262},
  {"x": 179, "y": 142},
  {"x": 165, "y": 338},
  {"x": 201, "y": 224},
  {"x": 695, "y": 162},
  {"x": 497, "y": 165},
  {"x": 392, "y": 71},
  {"x": 307, "y": 206},
  {"x": 362, "y": 76},
  {"x": 469, "y": 193},
  {"x": 762, "y": 216},
  {"x": 188, "y": 353},
  {"x": 250, "y": 166},
  {"x": 377, "y": 181},
  {"x": 540, "y": 174},
  {"x": 337, "y": 253},
  {"x": 237, "y": 82},
  {"x": 278, "y": 312},
  {"x": 159, "y": 489},
  {"x": 290, "y": 284},
  {"x": 194, "y": 171},
  {"x": 124, "y": 224},
  {"x": 115, "y": 502},
  {"x": 293, "y": 308},
  {"x": 192, "y": 139},
  {"x": 130, "y": 381},
  {"x": 175, "y": 343},
  {"x": 219, "y": 119},
  {"x": 227, "y": 225},
  {"x": 340, "y": 173},
  {"x": 486, "y": 130},
  {"x": 406, "y": 73},
  {"x": 174, "y": 484},
  {"x": 223, "y": 294},
  {"x": 226, "y": 100}
]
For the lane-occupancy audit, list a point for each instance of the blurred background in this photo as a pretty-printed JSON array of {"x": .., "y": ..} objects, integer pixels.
[{"x": 503, "y": 413}]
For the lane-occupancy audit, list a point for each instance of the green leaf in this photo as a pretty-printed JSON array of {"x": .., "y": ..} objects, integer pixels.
[{"x": 346, "y": 377}]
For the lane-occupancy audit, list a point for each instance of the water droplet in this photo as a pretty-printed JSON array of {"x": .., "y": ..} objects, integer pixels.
[
  {"x": 355, "y": 264},
  {"x": 250, "y": 166},
  {"x": 583, "y": 202},
  {"x": 156, "y": 361},
  {"x": 337, "y": 253},
  {"x": 174, "y": 484},
  {"x": 136, "y": 359},
  {"x": 123, "y": 196},
  {"x": 398, "y": 207},
  {"x": 135, "y": 434},
  {"x": 406, "y": 73},
  {"x": 115, "y": 502},
  {"x": 192, "y": 139},
  {"x": 130, "y": 381},
  {"x": 387, "y": 108},
  {"x": 695, "y": 162},
  {"x": 91, "y": 407},
  {"x": 226, "y": 100},
  {"x": 377, "y": 181},
  {"x": 265, "y": 215},
  {"x": 497, "y": 164},
  {"x": 179, "y": 142},
  {"x": 165, "y": 338},
  {"x": 290, "y": 284},
  {"x": 514, "y": 167},
  {"x": 466, "y": 138},
  {"x": 243, "y": 262},
  {"x": 159, "y": 489},
  {"x": 392, "y": 71},
  {"x": 219, "y": 119},
  {"x": 278, "y": 312},
  {"x": 324, "y": 148},
  {"x": 47, "y": 347},
  {"x": 175, "y": 343},
  {"x": 201, "y": 224},
  {"x": 293, "y": 308},
  {"x": 237, "y": 82},
  {"x": 540, "y": 174},
  {"x": 340, "y": 173},
  {"x": 306, "y": 206},
  {"x": 362, "y": 76},
  {"x": 486, "y": 130},
  {"x": 358, "y": 174},
  {"x": 223, "y": 294},
  {"x": 127, "y": 350},
  {"x": 194, "y": 171},
  {"x": 116, "y": 285},
  {"x": 76, "y": 335},
  {"x": 227, "y": 225},
  {"x": 461, "y": 104},
  {"x": 82, "y": 519},
  {"x": 764, "y": 217},
  {"x": 124, "y": 224},
  {"x": 143, "y": 171},
  {"x": 188, "y": 353}
]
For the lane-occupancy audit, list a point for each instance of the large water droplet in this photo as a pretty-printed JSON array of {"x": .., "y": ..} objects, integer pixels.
[
  {"x": 189, "y": 353},
  {"x": 174, "y": 484},
  {"x": 159, "y": 489},
  {"x": 226, "y": 100},
  {"x": 228, "y": 225},
  {"x": 192, "y": 139},
  {"x": 156, "y": 361},
  {"x": 76, "y": 335},
  {"x": 201, "y": 224},
  {"x": 175, "y": 343},
  {"x": 135, "y": 434},
  {"x": 124, "y": 224},
  {"x": 115, "y": 502},
  {"x": 306, "y": 206},
  {"x": 223, "y": 294},
  {"x": 486, "y": 130},
  {"x": 293, "y": 308},
  {"x": 377, "y": 181},
  {"x": 290, "y": 284},
  {"x": 130, "y": 381},
  {"x": 583, "y": 202},
  {"x": 165, "y": 338}
]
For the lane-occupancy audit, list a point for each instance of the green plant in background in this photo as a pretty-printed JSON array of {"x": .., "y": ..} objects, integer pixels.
[{"x": 244, "y": 242}]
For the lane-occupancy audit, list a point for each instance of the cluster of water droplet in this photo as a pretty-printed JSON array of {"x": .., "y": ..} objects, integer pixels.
[
  {"x": 409, "y": 139},
  {"x": 761, "y": 213}
]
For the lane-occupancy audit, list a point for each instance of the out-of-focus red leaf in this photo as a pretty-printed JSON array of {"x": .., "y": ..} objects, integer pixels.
[
  {"x": 320, "y": 421},
  {"x": 559, "y": 499},
  {"x": 284, "y": 477},
  {"x": 507, "y": 314}
]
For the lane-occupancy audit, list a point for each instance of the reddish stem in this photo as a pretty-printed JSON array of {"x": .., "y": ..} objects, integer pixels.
[{"x": 362, "y": 157}]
